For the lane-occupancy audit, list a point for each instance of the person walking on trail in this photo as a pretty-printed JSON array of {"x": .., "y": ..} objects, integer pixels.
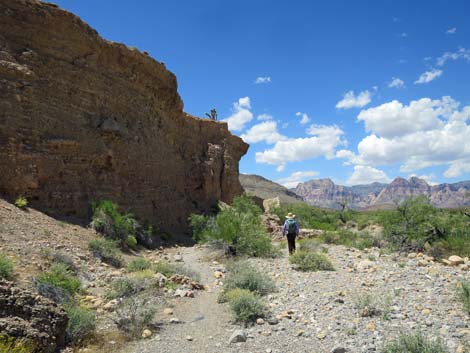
[{"x": 291, "y": 228}]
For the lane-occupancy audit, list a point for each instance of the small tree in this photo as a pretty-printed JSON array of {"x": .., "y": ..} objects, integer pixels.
[{"x": 212, "y": 115}]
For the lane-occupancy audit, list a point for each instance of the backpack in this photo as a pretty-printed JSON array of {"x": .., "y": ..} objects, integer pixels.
[{"x": 291, "y": 226}]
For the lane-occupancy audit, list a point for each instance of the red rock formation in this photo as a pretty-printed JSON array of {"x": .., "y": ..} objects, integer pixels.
[{"x": 83, "y": 119}]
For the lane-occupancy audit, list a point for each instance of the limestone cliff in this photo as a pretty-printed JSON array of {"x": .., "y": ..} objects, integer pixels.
[{"x": 83, "y": 119}]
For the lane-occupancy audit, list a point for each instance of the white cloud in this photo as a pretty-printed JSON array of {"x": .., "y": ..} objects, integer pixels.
[
  {"x": 366, "y": 175},
  {"x": 396, "y": 83},
  {"x": 429, "y": 76},
  {"x": 264, "y": 117},
  {"x": 295, "y": 178},
  {"x": 265, "y": 131},
  {"x": 350, "y": 100},
  {"x": 462, "y": 53},
  {"x": 395, "y": 119},
  {"x": 426, "y": 133},
  {"x": 451, "y": 30},
  {"x": 323, "y": 142},
  {"x": 241, "y": 114},
  {"x": 305, "y": 119},
  {"x": 262, "y": 79}
]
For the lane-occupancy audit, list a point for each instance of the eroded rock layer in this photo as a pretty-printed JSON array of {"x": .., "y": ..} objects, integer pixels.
[{"x": 83, "y": 119}]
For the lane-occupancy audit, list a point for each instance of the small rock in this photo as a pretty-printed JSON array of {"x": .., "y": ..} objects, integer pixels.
[
  {"x": 218, "y": 274},
  {"x": 371, "y": 326},
  {"x": 237, "y": 336},
  {"x": 174, "y": 320},
  {"x": 364, "y": 265},
  {"x": 177, "y": 258},
  {"x": 260, "y": 321},
  {"x": 273, "y": 321},
  {"x": 189, "y": 338},
  {"x": 146, "y": 333},
  {"x": 455, "y": 260},
  {"x": 321, "y": 335},
  {"x": 168, "y": 311},
  {"x": 339, "y": 350},
  {"x": 299, "y": 333}
]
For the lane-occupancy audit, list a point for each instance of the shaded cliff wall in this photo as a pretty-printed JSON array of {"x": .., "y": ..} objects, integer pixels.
[{"x": 83, "y": 119}]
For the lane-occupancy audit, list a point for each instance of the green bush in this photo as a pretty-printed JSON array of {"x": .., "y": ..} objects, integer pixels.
[
  {"x": 169, "y": 269},
  {"x": 348, "y": 238},
  {"x": 244, "y": 276},
  {"x": 106, "y": 250},
  {"x": 129, "y": 286},
  {"x": 239, "y": 226},
  {"x": 6, "y": 267},
  {"x": 415, "y": 343},
  {"x": 81, "y": 325},
  {"x": 138, "y": 264},
  {"x": 311, "y": 261},
  {"x": 463, "y": 294},
  {"x": 12, "y": 345},
  {"x": 21, "y": 202},
  {"x": 311, "y": 217},
  {"x": 134, "y": 314},
  {"x": 245, "y": 305},
  {"x": 112, "y": 224},
  {"x": 60, "y": 276}
]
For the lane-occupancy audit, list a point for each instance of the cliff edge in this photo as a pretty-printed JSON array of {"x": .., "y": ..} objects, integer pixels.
[{"x": 84, "y": 119}]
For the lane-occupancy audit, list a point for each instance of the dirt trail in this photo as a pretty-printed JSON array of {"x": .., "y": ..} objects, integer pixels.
[{"x": 202, "y": 318}]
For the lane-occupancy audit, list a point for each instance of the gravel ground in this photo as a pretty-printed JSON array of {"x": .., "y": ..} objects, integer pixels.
[{"x": 317, "y": 311}]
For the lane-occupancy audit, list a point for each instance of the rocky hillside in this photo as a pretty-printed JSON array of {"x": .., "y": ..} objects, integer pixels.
[
  {"x": 267, "y": 189},
  {"x": 325, "y": 193},
  {"x": 83, "y": 119}
]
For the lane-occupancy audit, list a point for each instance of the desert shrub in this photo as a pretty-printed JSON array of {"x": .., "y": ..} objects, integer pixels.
[
  {"x": 169, "y": 269},
  {"x": 311, "y": 217},
  {"x": 246, "y": 306},
  {"x": 66, "y": 260},
  {"x": 129, "y": 286},
  {"x": 239, "y": 226},
  {"x": 106, "y": 250},
  {"x": 134, "y": 314},
  {"x": 311, "y": 261},
  {"x": 348, "y": 238},
  {"x": 60, "y": 276},
  {"x": 6, "y": 267},
  {"x": 21, "y": 202},
  {"x": 244, "y": 276},
  {"x": 415, "y": 343},
  {"x": 52, "y": 292},
  {"x": 463, "y": 295},
  {"x": 112, "y": 224},
  {"x": 138, "y": 264},
  {"x": 81, "y": 325},
  {"x": 374, "y": 305},
  {"x": 13, "y": 345},
  {"x": 419, "y": 226}
]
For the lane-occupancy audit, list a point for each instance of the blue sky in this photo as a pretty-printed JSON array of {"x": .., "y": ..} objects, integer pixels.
[{"x": 357, "y": 91}]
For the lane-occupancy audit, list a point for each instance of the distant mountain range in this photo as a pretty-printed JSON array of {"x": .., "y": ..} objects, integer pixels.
[
  {"x": 267, "y": 189},
  {"x": 325, "y": 193}
]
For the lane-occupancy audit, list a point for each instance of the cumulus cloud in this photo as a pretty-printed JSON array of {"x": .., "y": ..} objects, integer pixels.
[
  {"x": 295, "y": 178},
  {"x": 396, "y": 83},
  {"x": 428, "y": 76},
  {"x": 264, "y": 117},
  {"x": 350, "y": 100},
  {"x": 265, "y": 131},
  {"x": 241, "y": 114},
  {"x": 323, "y": 142},
  {"x": 395, "y": 119},
  {"x": 426, "y": 133},
  {"x": 262, "y": 79},
  {"x": 451, "y": 30},
  {"x": 305, "y": 119},
  {"x": 462, "y": 53},
  {"x": 366, "y": 175}
]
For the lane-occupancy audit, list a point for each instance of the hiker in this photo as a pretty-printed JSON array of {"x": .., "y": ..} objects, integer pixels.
[{"x": 291, "y": 227}]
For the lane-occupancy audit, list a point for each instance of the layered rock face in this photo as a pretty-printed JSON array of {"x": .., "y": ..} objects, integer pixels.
[
  {"x": 31, "y": 317},
  {"x": 84, "y": 119},
  {"x": 266, "y": 189}
]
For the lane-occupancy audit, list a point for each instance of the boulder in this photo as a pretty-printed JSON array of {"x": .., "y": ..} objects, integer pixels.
[
  {"x": 456, "y": 260},
  {"x": 237, "y": 336},
  {"x": 31, "y": 317}
]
